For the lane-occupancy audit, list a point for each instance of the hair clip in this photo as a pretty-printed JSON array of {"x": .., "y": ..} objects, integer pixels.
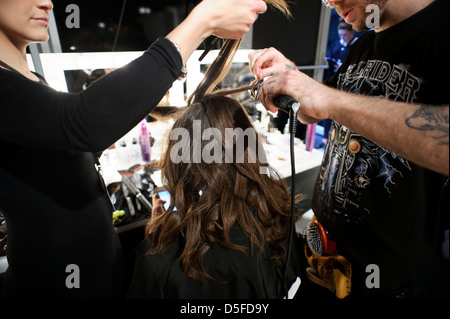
[{"x": 254, "y": 92}]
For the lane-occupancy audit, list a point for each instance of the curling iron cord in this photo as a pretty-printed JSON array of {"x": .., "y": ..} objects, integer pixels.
[{"x": 289, "y": 105}]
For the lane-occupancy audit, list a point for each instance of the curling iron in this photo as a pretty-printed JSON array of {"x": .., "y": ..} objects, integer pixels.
[{"x": 286, "y": 103}]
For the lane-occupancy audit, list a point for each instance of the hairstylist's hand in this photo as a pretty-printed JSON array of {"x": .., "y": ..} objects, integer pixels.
[
  {"x": 315, "y": 98},
  {"x": 231, "y": 19},
  {"x": 268, "y": 62},
  {"x": 158, "y": 208}
]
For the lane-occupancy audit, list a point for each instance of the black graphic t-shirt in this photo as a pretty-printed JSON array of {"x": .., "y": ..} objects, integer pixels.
[{"x": 379, "y": 207}]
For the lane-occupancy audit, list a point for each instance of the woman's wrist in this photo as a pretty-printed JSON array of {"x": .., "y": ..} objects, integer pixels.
[{"x": 183, "y": 68}]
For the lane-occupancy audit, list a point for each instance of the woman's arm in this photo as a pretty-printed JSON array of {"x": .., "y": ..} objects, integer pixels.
[{"x": 35, "y": 115}]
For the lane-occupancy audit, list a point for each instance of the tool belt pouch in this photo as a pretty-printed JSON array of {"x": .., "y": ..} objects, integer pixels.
[{"x": 331, "y": 272}]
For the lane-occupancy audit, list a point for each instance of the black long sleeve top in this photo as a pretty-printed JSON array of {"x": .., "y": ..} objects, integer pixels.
[
  {"x": 51, "y": 194},
  {"x": 239, "y": 275}
]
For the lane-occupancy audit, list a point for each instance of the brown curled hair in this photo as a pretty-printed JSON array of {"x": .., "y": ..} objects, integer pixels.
[{"x": 212, "y": 197}]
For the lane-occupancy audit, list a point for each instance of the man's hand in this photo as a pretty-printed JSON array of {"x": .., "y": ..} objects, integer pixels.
[
  {"x": 283, "y": 78},
  {"x": 268, "y": 62},
  {"x": 314, "y": 98}
]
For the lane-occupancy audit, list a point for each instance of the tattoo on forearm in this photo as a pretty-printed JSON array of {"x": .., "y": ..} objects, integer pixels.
[
  {"x": 290, "y": 67},
  {"x": 431, "y": 118}
]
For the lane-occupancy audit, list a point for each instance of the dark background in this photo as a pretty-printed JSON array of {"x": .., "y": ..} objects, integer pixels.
[{"x": 99, "y": 19}]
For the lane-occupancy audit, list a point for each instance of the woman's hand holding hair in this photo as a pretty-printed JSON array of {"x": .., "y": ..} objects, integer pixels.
[
  {"x": 231, "y": 19},
  {"x": 224, "y": 18}
]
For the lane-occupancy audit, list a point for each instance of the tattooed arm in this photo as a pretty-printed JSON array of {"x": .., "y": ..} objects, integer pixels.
[
  {"x": 433, "y": 119},
  {"x": 419, "y": 133}
]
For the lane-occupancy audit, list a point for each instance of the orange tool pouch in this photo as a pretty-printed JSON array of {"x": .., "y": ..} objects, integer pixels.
[{"x": 333, "y": 272}]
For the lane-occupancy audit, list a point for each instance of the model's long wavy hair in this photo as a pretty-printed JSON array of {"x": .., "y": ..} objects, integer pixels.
[{"x": 212, "y": 197}]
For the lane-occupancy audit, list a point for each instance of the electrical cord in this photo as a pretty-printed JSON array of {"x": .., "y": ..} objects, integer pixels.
[
  {"x": 290, "y": 105},
  {"x": 119, "y": 26}
]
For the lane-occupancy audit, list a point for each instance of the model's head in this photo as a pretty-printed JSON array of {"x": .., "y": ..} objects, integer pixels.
[
  {"x": 217, "y": 175},
  {"x": 212, "y": 147},
  {"x": 354, "y": 11},
  {"x": 25, "y": 21}
]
